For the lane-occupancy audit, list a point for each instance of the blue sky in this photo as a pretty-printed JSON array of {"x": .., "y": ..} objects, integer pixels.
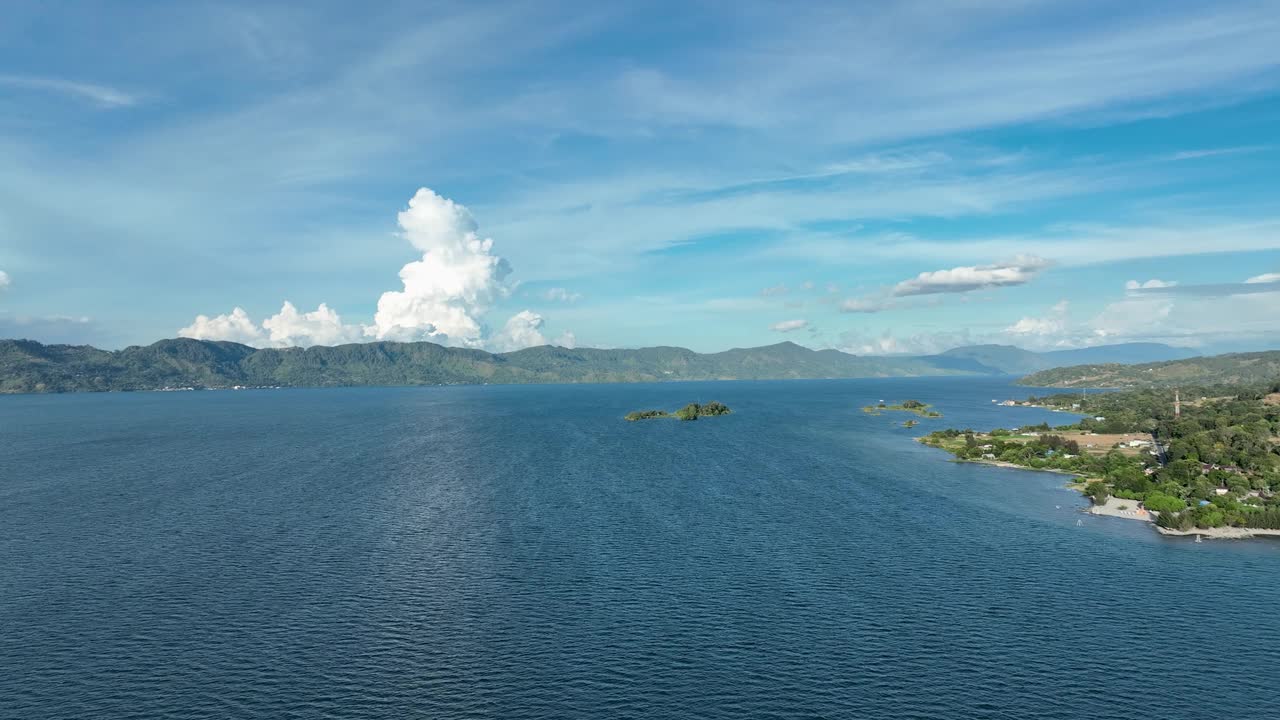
[{"x": 872, "y": 177}]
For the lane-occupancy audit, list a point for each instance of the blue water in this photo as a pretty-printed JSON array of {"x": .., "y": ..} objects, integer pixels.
[{"x": 521, "y": 552}]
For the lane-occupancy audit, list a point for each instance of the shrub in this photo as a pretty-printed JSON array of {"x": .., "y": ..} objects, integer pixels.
[
  {"x": 1162, "y": 503},
  {"x": 688, "y": 412}
]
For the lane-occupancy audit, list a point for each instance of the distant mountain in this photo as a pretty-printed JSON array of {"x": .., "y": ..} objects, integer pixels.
[
  {"x": 1124, "y": 353},
  {"x": 1230, "y": 369},
  {"x": 1016, "y": 361},
  {"x": 28, "y": 366}
]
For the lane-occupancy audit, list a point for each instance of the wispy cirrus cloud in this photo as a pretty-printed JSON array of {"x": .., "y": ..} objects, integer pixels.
[
  {"x": 787, "y": 326},
  {"x": 865, "y": 305},
  {"x": 1152, "y": 284},
  {"x": 775, "y": 129},
  {"x": 559, "y": 294},
  {"x": 1218, "y": 152},
  {"x": 1258, "y": 284},
  {"x": 101, "y": 95},
  {"x": 78, "y": 330},
  {"x": 1073, "y": 245}
]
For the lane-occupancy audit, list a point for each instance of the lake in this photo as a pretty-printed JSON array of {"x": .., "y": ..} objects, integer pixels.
[{"x": 522, "y": 552}]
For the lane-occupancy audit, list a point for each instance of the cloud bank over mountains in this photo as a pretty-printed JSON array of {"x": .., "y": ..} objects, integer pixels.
[{"x": 444, "y": 299}]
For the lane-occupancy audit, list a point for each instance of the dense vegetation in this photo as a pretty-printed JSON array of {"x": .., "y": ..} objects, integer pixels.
[
  {"x": 1216, "y": 464},
  {"x": 27, "y": 366},
  {"x": 1232, "y": 369},
  {"x": 913, "y": 406},
  {"x": 692, "y": 411},
  {"x": 645, "y": 415}
]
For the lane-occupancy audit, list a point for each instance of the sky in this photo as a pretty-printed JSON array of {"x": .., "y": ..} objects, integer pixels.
[{"x": 874, "y": 177}]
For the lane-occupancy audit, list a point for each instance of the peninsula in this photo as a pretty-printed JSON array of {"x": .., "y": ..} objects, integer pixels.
[{"x": 1194, "y": 461}]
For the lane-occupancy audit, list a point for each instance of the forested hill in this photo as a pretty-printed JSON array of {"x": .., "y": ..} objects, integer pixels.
[
  {"x": 27, "y": 366},
  {"x": 1231, "y": 369}
]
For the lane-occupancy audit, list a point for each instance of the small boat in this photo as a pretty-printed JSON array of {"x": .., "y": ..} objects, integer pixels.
[
  {"x": 1197, "y": 538},
  {"x": 1079, "y": 523}
]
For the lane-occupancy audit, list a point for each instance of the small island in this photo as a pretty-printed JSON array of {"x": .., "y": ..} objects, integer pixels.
[
  {"x": 692, "y": 411},
  {"x": 911, "y": 406}
]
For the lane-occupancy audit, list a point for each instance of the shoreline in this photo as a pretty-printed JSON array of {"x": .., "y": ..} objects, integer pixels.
[
  {"x": 1007, "y": 464},
  {"x": 1123, "y": 509},
  {"x": 1111, "y": 507},
  {"x": 1221, "y": 533}
]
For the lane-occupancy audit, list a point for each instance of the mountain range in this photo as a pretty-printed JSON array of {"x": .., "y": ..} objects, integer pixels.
[
  {"x": 28, "y": 366},
  {"x": 1253, "y": 368}
]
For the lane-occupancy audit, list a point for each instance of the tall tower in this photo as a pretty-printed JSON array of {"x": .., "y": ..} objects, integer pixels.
[{"x": 1177, "y": 404}]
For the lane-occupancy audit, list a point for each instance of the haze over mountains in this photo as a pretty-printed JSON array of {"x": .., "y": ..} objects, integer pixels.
[
  {"x": 1231, "y": 369},
  {"x": 29, "y": 366}
]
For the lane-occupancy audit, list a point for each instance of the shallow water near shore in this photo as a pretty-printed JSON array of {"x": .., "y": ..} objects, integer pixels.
[{"x": 523, "y": 552}]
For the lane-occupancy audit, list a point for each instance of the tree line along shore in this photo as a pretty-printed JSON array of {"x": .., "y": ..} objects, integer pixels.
[{"x": 1206, "y": 458}]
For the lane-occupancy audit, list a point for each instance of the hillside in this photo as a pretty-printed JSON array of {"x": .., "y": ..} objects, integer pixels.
[
  {"x": 1231, "y": 369},
  {"x": 28, "y": 366},
  {"x": 1013, "y": 360}
]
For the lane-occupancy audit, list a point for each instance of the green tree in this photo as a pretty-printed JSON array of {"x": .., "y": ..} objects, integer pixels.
[
  {"x": 1098, "y": 492},
  {"x": 688, "y": 412},
  {"x": 1161, "y": 503}
]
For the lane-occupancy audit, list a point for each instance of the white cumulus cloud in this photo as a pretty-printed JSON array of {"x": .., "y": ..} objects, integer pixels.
[
  {"x": 976, "y": 277},
  {"x": 789, "y": 325},
  {"x": 445, "y": 297},
  {"x": 522, "y": 330},
  {"x": 287, "y": 328},
  {"x": 323, "y": 326},
  {"x": 235, "y": 326},
  {"x": 449, "y": 290},
  {"x": 1054, "y": 323}
]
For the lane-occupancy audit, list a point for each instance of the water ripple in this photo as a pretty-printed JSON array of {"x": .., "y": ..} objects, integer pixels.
[{"x": 514, "y": 552}]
